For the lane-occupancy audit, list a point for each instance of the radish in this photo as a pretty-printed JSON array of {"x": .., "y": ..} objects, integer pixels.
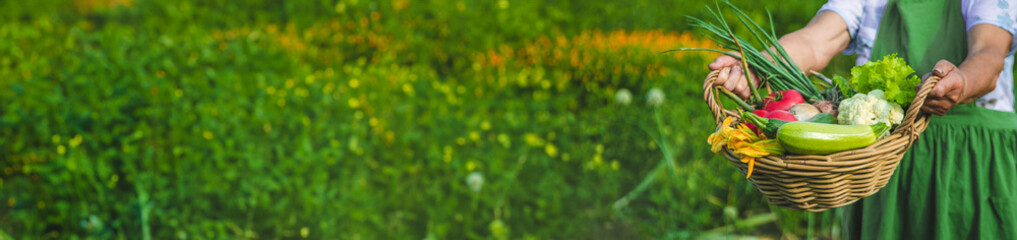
[
  {"x": 782, "y": 115},
  {"x": 782, "y": 100}
]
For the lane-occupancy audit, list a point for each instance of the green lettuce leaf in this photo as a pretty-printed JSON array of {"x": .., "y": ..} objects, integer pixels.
[{"x": 890, "y": 74}]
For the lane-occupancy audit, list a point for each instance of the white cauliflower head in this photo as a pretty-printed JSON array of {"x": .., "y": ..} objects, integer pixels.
[{"x": 868, "y": 109}]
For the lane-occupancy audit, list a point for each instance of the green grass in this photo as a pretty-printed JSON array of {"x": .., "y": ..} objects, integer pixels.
[{"x": 362, "y": 120}]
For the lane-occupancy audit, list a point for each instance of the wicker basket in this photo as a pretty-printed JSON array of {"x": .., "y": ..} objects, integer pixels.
[{"x": 817, "y": 183}]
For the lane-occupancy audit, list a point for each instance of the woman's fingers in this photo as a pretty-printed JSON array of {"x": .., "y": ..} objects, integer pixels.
[
  {"x": 949, "y": 88},
  {"x": 943, "y": 68},
  {"x": 733, "y": 79},
  {"x": 940, "y": 89},
  {"x": 722, "y": 62},
  {"x": 722, "y": 78},
  {"x": 741, "y": 90},
  {"x": 936, "y": 106},
  {"x": 948, "y": 92},
  {"x": 937, "y": 102},
  {"x": 933, "y": 111},
  {"x": 742, "y": 86},
  {"x": 731, "y": 76},
  {"x": 942, "y": 98}
]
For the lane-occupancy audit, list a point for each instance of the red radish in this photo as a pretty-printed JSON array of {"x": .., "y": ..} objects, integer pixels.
[
  {"x": 782, "y": 115},
  {"x": 782, "y": 100}
]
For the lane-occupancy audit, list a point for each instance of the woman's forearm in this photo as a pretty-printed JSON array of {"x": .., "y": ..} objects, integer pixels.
[
  {"x": 812, "y": 47},
  {"x": 987, "y": 49},
  {"x": 980, "y": 72},
  {"x": 803, "y": 53}
]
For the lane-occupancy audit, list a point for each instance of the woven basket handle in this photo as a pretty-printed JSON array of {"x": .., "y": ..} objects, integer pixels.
[
  {"x": 711, "y": 99},
  {"x": 708, "y": 96},
  {"x": 914, "y": 112}
]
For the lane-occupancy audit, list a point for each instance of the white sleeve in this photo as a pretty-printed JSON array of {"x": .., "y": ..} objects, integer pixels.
[
  {"x": 851, "y": 11},
  {"x": 1001, "y": 13}
]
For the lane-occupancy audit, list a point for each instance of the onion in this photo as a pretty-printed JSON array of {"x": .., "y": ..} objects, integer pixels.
[
  {"x": 826, "y": 107},
  {"x": 803, "y": 111}
]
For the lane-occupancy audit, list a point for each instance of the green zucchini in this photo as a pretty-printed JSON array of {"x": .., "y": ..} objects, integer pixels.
[{"x": 822, "y": 138}]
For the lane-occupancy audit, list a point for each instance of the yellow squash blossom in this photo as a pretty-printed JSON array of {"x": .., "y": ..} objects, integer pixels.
[
  {"x": 719, "y": 138},
  {"x": 742, "y": 141}
]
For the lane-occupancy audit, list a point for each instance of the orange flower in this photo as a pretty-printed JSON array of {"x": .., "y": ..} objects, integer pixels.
[
  {"x": 717, "y": 142},
  {"x": 738, "y": 137},
  {"x": 760, "y": 148},
  {"x": 752, "y": 165},
  {"x": 742, "y": 141},
  {"x": 718, "y": 139}
]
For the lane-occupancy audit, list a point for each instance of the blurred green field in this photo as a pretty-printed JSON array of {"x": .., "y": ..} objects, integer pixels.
[{"x": 350, "y": 119}]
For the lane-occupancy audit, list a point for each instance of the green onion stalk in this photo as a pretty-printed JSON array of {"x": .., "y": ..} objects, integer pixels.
[{"x": 781, "y": 73}]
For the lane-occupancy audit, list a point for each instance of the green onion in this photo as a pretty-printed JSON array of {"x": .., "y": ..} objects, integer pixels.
[{"x": 781, "y": 73}]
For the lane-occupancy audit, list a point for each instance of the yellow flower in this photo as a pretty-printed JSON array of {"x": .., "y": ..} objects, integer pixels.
[
  {"x": 752, "y": 164},
  {"x": 719, "y": 139},
  {"x": 761, "y": 148},
  {"x": 738, "y": 137},
  {"x": 75, "y": 140},
  {"x": 749, "y": 150},
  {"x": 551, "y": 150},
  {"x": 743, "y": 142},
  {"x": 717, "y": 142},
  {"x": 727, "y": 123},
  {"x": 758, "y": 149},
  {"x": 533, "y": 140}
]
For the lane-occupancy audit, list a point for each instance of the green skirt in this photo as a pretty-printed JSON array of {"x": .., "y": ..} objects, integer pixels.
[{"x": 959, "y": 181}]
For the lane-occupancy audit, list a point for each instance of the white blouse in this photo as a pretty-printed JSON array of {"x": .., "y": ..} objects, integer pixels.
[{"x": 863, "y": 16}]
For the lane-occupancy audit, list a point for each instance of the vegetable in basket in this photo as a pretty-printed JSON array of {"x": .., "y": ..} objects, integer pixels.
[
  {"x": 778, "y": 114},
  {"x": 776, "y": 105},
  {"x": 804, "y": 111},
  {"x": 743, "y": 142},
  {"x": 891, "y": 74},
  {"x": 867, "y": 109},
  {"x": 772, "y": 125},
  {"x": 782, "y": 100},
  {"x": 823, "y": 138}
]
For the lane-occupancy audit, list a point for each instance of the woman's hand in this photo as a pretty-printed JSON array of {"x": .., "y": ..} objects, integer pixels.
[
  {"x": 948, "y": 92},
  {"x": 976, "y": 76},
  {"x": 732, "y": 76}
]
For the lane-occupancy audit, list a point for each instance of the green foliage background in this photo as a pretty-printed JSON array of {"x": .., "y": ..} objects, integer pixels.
[{"x": 353, "y": 119}]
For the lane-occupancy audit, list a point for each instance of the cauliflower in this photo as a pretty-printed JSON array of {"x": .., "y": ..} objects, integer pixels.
[{"x": 868, "y": 109}]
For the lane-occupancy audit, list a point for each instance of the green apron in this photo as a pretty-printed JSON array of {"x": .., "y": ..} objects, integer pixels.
[{"x": 959, "y": 181}]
